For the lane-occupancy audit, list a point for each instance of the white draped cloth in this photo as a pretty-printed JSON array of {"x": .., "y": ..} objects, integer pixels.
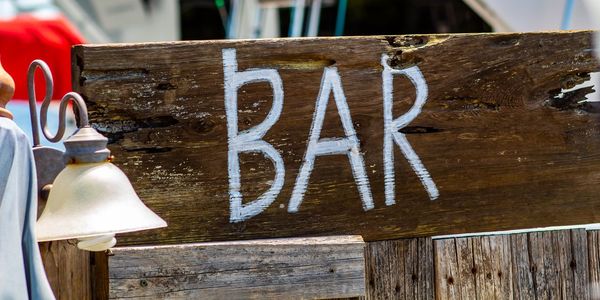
[{"x": 22, "y": 274}]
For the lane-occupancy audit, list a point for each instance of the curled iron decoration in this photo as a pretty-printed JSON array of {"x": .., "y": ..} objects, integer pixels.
[{"x": 77, "y": 100}]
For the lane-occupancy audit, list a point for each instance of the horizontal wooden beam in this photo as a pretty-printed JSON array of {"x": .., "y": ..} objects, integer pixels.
[
  {"x": 382, "y": 136},
  {"x": 308, "y": 268}
]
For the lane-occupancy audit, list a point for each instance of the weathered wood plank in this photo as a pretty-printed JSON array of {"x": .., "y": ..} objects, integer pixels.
[
  {"x": 499, "y": 141},
  {"x": 564, "y": 260},
  {"x": 523, "y": 285},
  {"x": 67, "y": 269},
  {"x": 399, "y": 269},
  {"x": 307, "y": 268},
  {"x": 503, "y": 285},
  {"x": 580, "y": 265},
  {"x": 536, "y": 265},
  {"x": 593, "y": 242},
  {"x": 426, "y": 283},
  {"x": 99, "y": 274},
  {"x": 447, "y": 271},
  {"x": 482, "y": 266},
  {"x": 466, "y": 267},
  {"x": 484, "y": 281}
]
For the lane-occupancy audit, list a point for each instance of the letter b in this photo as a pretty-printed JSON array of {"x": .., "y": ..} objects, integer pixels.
[{"x": 250, "y": 140}]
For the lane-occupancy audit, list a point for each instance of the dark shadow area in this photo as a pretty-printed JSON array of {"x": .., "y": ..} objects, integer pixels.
[{"x": 201, "y": 19}]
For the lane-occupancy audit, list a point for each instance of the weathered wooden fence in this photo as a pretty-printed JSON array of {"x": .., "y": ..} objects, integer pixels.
[
  {"x": 562, "y": 264},
  {"x": 392, "y": 138}
]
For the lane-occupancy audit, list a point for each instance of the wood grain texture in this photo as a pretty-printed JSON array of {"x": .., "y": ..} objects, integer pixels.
[
  {"x": 299, "y": 268},
  {"x": 537, "y": 265},
  {"x": 99, "y": 274},
  {"x": 504, "y": 147},
  {"x": 67, "y": 269},
  {"x": 593, "y": 242},
  {"x": 521, "y": 267},
  {"x": 400, "y": 269}
]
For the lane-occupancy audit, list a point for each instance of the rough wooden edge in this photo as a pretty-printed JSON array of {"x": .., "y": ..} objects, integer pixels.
[{"x": 322, "y": 267}]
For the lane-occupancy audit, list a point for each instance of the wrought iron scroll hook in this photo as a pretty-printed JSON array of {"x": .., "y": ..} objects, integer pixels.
[{"x": 77, "y": 100}]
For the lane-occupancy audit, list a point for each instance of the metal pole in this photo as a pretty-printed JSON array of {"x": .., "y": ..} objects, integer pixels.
[
  {"x": 567, "y": 14},
  {"x": 234, "y": 18},
  {"x": 297, "y": 21},
  {"x": 257, "y": 23},
  {"x": 341, "y": 17},
  {"x": 315, "y": 16}
]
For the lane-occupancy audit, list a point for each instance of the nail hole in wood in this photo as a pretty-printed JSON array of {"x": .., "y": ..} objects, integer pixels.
[{"x": 143, "y": 283}]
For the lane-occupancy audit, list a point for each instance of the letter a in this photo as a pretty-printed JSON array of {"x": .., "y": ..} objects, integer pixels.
[
  {"x": 331, "y": 146},
  {"x": 250, "y": 140},
  {"x": 392, "y": 130}
]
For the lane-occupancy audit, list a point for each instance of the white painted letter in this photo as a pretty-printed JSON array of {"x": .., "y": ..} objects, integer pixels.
[
  {"x": 331, "y": 146},
  {"x": 250, "y": 140},
  {"x": 392, "y": 130}
]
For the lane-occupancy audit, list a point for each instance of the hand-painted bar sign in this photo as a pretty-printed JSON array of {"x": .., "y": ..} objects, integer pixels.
[
  {"x": 250, "y": 140},
  {"x": 382, "y": 136}
]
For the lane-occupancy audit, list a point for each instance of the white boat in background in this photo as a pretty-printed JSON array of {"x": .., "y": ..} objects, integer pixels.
[{"x": 543, "y": 15}]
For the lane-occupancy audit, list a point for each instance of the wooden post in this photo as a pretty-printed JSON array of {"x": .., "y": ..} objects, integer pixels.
[{"x": 68, "y": 269}]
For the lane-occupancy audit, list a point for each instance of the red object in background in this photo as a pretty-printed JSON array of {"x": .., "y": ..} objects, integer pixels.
[{"x": 26, "y": 38}]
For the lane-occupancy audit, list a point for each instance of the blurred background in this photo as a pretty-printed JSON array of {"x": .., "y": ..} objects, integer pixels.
[{"x": 46, "y": 29}]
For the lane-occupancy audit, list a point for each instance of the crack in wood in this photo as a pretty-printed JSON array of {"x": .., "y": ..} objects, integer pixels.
[
  {"x": 164, "y": 86},
  {"x": 572, "y": 100},
  {"x": 115, "y": 74},
  {"x": 116, "y": 130},
  {"x": 149, "y": 150},
  {"x": 420, "y": 129}
]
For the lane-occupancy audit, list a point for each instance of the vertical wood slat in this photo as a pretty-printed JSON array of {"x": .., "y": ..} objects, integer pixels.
[
  {"x": 447, "y": 285},
  {"x": 67, "y": 269},
  {"x": 542, "y": 265},
  {"x": 580, "y": 265},
  {"x": 593, "y": 239},
  {"x": 483, "y": 263},
  {"x": 399, "y": 269},
  {"x": 99, "y": 275},
  {"x": 523, "y": 286},
  {"x": 466, "y": 267}
]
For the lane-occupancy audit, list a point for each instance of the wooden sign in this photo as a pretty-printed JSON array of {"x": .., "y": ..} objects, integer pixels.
[{"x": 383, "y": 136}]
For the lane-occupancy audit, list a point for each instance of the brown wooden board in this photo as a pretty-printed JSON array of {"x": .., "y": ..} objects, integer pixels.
[
  {"x": 503, "y": 148},
  {"x": 67, "y": 269},
  {"x": 400, "y": 269},
  {"x": 295, "y": 268},
  {"x": 593, "y": 242},
  {"x": 536, "y": 265}
]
